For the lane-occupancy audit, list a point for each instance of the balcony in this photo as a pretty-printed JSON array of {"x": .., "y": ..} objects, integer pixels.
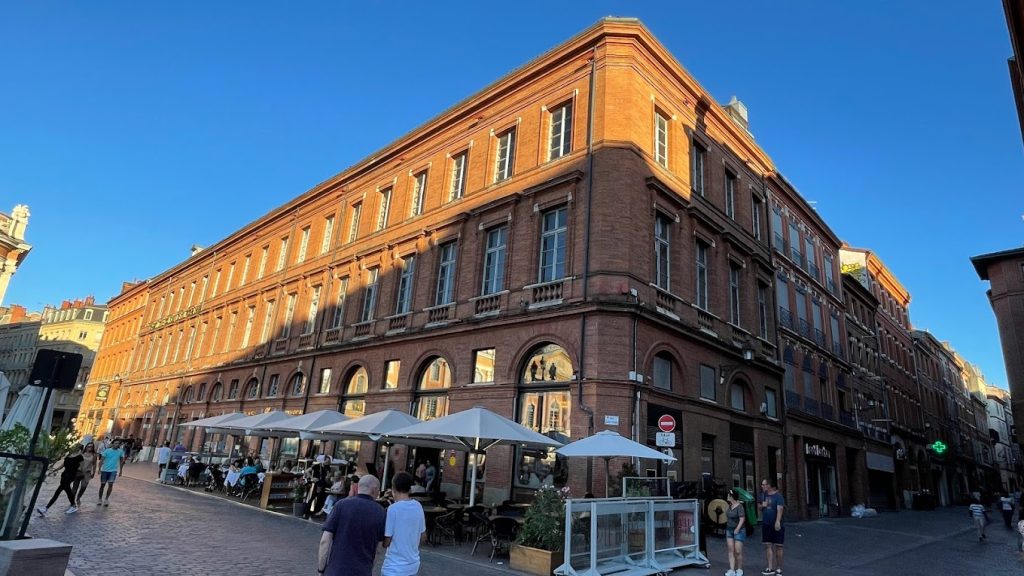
[
  {"x": 837, "y": 349},
  {"x": 546, "y": 294},
  {"x": 705, "y": 320},
  {"x": 488, "y": 304},
  {"x": 793, "y": 400},
  {"x": 803, "y": 328},
  {"x": 306, "y": 340},
  {"x": 827, "y": 412},
  {"x": 666, "y": 302},
  {"x": 819, "y": 337},
  {"x": 280, "y": 345},
  {"x": 847, "y": 419},
  {"x": 332, "y": 335},
  {"x": 440, "y": 314},
  {"x": 364, "y": 329},
  {"x": 812, "y": 269},
  {"x": 399, "y": 322},
  {"x": 811, "y": 406},
  {"x": 785, "y": 318}
]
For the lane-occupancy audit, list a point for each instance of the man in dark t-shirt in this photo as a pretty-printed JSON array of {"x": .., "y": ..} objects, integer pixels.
[
  {"x": 352, "y": 533},
  {"x": 773, "y": 533}
]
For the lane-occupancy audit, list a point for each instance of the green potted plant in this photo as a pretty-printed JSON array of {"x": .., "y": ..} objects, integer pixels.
[
  {"x": 299, "y": 497},
  {"x": 538, "y": 547}
]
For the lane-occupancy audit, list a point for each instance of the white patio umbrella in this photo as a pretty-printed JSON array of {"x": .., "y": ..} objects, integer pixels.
[
  {"x": 5, "y": 387},
  {"x": 247, "y": 426},
  {"x": 295, "y": 425},
  {"x": 608, "y": 444},
  {"x": 213, "y": 421},
  {"x": 26, "y": 409},
  {"x": 377, "y": 426},
  {"x": 477, "y": 429}
]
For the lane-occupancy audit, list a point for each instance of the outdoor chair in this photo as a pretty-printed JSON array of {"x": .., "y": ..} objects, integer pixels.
[
  {"x": 474, "y": 521},
  {"x": 446, "y": 526},
  {"x": 250, "y": 484},
  {"x": 483, "y": 529},
  {"x": 195, "y": 474},
  {"x": 503, "y": 533}
]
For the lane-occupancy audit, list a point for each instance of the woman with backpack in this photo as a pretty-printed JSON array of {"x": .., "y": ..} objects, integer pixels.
[{"x": 735, "y": 533}]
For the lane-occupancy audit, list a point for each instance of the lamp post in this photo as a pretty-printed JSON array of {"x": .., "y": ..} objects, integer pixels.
[{"x": 726, "y": 371}]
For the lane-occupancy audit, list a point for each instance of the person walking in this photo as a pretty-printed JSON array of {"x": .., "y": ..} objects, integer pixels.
[
  {"x": 72, "y": 462},
  {"x": 773, "y": 534},
  {"x": 429, "y": 475},
  {"x": 163, "y": 458},
  {"x": 735, "y": 533},
  {"x": 980, "y": 517},
  {"x": 352, "y": 532},
  {"x": 404, "y": 530},
  {"x": 86, "y": 472},
  {"x": 111, "y": 461},
  {"x": 1006, "y": 507}
]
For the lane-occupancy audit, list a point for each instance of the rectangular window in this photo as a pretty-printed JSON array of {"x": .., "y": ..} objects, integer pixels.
[
  {"x": 339, "y": 306},
  {"x": 762, "y": 310},
  {"x": 835, "y": 335},
  {"x": 819, "y": 334},
  {"x": 699, "y": 156},
  {"x": 404, "y": 300},
  {"x": 282, "y": 256},
  {"x": 756, "y": 214},
  {"x": 552, "y": 245},
  {"x": 737, "y": 401},
  {"x": 353, "y": 221},
  {"x": 730, "y": 194},
  {"x": 384, "y": 208},
  {"x": 325, "y": 243},
  {"x": 812, "y": 262},
  {"x": 662, "y": 243},
  {"x": 268, "y": 322},
  {"x": 227, "y": 285},
  {"x": 370, "y": 295},
  {"x": 702, "y": 275},
  {"x": 771, "y": 401},
  {"x": 273, "y": 386},
  {"x": 245, "y": 274},
  {"x": 782, "y": 295},
  {"x": 445, "y": 293},
  {"x": 547, "y": 413},
  {"x": 734, "y": 294},
  {"x": 391, "y": 372},
  {"x": 303, "y": 245},
  {"x": 707, "y": 455},
  {"x": 494, "y": 261},
  {"x": 777, "y": 232},
  {"x": 233, "y": 390},
  {"x": 795, "y": 245},
  {"x": 661, "y": 139},
  {"x": 662, "y": 369},
  {"x": 505, "y": 156},
  {"x": 250, "y": 316},
  {"x": 458, "y": 186},
  {"x": 289, "y": 315},
  {"x": 232, "y": 322},
  {"x": 325, "y": 381},
  {"x": 561, "y": 131},
  {"x": 419, "y": 191},
  {"x": 707, "y": 382},
  {"x": 263, "y": 261},
  {"x": 206, "y": 284},
  {"x": 483, "y": 365},
  {"x": 314, "y": 307},
  {"x": 177, "y": 345},
  {"x": 191, "y": 295},
  {"x": 829, "y": 264},
  {"x": 216, "y": 333}
]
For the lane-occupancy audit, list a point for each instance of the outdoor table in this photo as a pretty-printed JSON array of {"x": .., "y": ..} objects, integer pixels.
[
  {"x": 519, "y": 519},
  {"x": 431, "y": 513}
]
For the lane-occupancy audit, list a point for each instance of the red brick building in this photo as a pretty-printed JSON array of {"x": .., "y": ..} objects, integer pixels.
[{"x": 581, "y": 245}]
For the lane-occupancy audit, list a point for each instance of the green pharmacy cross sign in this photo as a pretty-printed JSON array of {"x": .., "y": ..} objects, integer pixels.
[{"x": 939, "y": 446}]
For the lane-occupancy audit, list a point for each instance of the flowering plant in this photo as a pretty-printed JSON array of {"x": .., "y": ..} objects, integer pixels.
[{"x": 544, "y": 524}]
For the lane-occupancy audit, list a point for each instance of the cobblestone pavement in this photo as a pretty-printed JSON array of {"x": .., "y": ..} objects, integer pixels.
[{"x": 162, "y": 530}]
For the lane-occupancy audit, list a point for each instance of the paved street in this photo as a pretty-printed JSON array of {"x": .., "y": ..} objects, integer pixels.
[{"x": 162, "y": 530}]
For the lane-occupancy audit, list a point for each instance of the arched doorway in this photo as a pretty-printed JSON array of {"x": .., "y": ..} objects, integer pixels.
[{"x": 544, "y": 405}]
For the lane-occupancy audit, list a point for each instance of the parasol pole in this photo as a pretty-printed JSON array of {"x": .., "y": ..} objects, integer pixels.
[
  {"x": 472, "y": 482},
  {"x": 608, "y": 476},
  {"x": 387, "y": 456}
]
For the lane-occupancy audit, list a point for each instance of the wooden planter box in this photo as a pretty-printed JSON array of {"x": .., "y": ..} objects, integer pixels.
[{"x": 534, "y": 560}]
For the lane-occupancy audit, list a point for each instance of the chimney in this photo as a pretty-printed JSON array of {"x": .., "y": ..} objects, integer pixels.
[
  {"x": 737, "y": 110},
  {"x": 17, "y": 313},
  {"x": 196, "y": 249},
  {"x": 90, "y": 301},
  {"x": 64, "y": 305}
]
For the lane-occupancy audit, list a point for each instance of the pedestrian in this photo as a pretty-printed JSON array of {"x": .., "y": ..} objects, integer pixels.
[
  {"x": 430, "y": 475},
  {"x": 352, "y": 533},
  {"x": 404, "y": 530},
  {"x": 86, "y": 472},
  {"x": 129, "y": 448},
  {"x": 421, "y": 474},
  {"x": 735, "y": 533},
  {"x": 773, "y": 534},
  {"x": 980, "y": 517},
  {"x": 163, "y": 458},
  {"x": 111, "y": 461},
  {"x": 1006, "y": 507},
  {"x": 69, "y": 471}
]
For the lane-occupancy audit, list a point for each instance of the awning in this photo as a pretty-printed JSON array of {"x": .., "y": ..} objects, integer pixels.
[{"x": 881, "y": 462}]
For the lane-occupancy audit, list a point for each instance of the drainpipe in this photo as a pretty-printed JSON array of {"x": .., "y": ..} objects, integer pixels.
[
  {"x": 775, "y": 310},
  {"x": 586, "y": 265}
]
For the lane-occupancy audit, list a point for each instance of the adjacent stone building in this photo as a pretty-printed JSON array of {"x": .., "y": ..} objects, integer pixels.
[{"x": 13, "y": 248}]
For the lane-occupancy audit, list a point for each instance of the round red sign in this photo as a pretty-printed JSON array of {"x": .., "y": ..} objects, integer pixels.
[{"x": 667, "y": 423}]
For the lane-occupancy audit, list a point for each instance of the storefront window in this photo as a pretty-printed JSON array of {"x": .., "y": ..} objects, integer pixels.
[
  {"x": 483, "y": 369},
  {"x": 353, "y": 405},
  {"x": 437, "y": 376},
  {"x": 548, "y": 363},
  {"x": 391, "y": 374},
  {"x": 548, "y": 413}
]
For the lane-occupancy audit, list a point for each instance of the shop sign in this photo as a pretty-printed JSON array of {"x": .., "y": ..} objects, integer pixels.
[
  {"x": 666, "y": 439},
  {"x": 176, "y": 316},
  {"x": 611, "y": 420},
  {"x": 817, "y": 450}
]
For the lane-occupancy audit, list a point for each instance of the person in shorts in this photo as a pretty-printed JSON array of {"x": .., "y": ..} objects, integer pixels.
[
  {"x": 735, "y": 533},
  {"x": 111, "y": 461},
  {"x": 773, "y": 533}
]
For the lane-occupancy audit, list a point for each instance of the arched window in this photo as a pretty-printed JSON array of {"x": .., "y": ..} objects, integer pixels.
[
  {"x": 354, "y": 403},
  {"x": 737, "y": 396},
  {"x": 188, "y": 395},
  {"x": 431, "y": 398},
  {"x": 233, "y": 390},
  {"x": 217, "y": 392},
  {"x": 661, "y": 371},
  {"x": 202, "y": 392},
  {"x": 272, "y": 387},
  {"x": 545, "y": 405},
  {"x": 252, "y": 389},
  {"x": 298, "y": 385}
]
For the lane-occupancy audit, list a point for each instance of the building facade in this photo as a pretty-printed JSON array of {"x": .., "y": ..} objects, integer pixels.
[
  {"x": 1003, "y": 434},
  {"x": 76, "y": 326},
  {"x": 13, "y": 248}
]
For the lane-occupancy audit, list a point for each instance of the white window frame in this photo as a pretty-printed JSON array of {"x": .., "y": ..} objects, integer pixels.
[
  {"x": 303, "y": 245},
  {"x": 325, "y": 243},
  {"x": 314, "y": 306},
  {"x": 282, "y": 256},
  {"x": 560, "y": 140},
  {"x": 663, "y": 252},
  {"x": 701, "y": 276},
  {"x": 661, "y": 139},
  {"x": 553, "y": 245},
  {"x": 370, "y": 295},
  {"x": 458, "y": 176},
  {"x": 495, "y": 254},
  {"x": 403, "y": 303},
  {"x": 353, "y": 224},
  {"x": 383, "y": 208},
  {"x": 289, "y": 315},
  {"x": 505, "y": 155},
  {"x": 339, "y": 309},
  {"x": 419, "y": 192},
  {"x": 446, "y": 268}
]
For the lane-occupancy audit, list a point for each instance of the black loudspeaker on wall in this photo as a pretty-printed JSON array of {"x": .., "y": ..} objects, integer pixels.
[{"x": 55, "y": 369}]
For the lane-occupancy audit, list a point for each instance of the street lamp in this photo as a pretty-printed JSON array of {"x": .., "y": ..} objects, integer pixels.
[{"x": 726, "y": 371}]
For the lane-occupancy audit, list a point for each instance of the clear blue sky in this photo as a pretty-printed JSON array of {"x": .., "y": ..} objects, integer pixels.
[{"x": 135, "y": 129}]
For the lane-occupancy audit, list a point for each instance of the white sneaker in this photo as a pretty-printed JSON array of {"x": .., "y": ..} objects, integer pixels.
[
  {"x": 71, "y": 510},
  {"x": 730, "y": 573},
  {"x": 739, "y": 573},
  {"x": 41, "y": 510}
]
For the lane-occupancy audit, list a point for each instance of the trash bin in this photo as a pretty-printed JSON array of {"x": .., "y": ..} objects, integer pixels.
[{"x": 749, "y": 506}]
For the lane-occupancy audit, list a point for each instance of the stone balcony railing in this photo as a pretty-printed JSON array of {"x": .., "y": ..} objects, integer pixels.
[
  {"x": 332, "y": 335},
  {"x": 363, "y": 329},
  {"x": 398, "y": 322},
  {"x": 546, "y": 293},
  {"x": 488, "y": 304},
  {"x": 441, "y": 314},
  {"x": 306, "y": 340}
]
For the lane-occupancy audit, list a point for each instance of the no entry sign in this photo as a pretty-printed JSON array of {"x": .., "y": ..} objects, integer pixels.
[{"x": 666, "y": 423}]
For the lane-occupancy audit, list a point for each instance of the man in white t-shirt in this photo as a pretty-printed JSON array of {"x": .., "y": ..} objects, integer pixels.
[
  {"x": 163, "y": 457},
  {"x": 404, "y": 530}
]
